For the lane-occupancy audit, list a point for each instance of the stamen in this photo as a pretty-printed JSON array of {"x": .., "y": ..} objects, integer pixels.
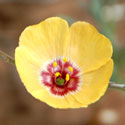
[
  {"x": 54, "y": 64},
  {"x": 57, "y": 74},
  {"x": 70, "y": 69},
  {"x": 67, "y": 77},
  {"x": 64, "y": 60},
  {"x": 61, "y": 77}
]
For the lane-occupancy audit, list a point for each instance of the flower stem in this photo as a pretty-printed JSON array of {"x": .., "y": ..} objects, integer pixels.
[
  {"x": 6, "y": 58},
  {"x": 116, "y": 85}
]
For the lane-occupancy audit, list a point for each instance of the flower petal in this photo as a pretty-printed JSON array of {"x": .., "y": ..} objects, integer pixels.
[
  {"x": 28, "y": 69},
  {"x": 55, "y": 101},
  {"x": 46, "y": 40},
  {"x": 87, "y": 47},
  {"x": 94, "y": 84}
]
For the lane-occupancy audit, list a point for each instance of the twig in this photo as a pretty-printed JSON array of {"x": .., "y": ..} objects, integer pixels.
[
  {"x": 6, "y": 58},
  {"x": 116, "y": 85}
]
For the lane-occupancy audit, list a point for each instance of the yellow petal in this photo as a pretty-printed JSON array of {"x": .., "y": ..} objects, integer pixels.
[
  {"x": 54, "y": 101},
  {"x": 46, "y": 40},
  {"x": 28, "y": 69},
  {"x": 94, "y": 84},
  {"x": 87, "y": 47}
]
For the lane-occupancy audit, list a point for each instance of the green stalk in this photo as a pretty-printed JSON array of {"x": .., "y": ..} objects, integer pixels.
[{"x": 6, "y": 58}]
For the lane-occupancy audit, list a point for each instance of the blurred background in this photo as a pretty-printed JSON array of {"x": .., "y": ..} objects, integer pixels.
[{"x": 17, "y": 106}]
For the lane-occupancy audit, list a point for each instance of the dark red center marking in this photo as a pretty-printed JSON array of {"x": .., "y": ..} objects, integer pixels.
[{"x": 55, "y": 77}]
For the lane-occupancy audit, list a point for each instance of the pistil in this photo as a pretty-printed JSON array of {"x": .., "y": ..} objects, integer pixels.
[{"x": 60, "y": 81}]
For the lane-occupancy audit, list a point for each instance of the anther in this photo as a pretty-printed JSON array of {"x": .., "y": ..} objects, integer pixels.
[
  {"x": 64, "y": 60},
  {"x": 57, "y": 74},
  {"x": 70, "y": 69},
  {"x": 54, "y": 64},
  {"x": 67, "y": 77}
]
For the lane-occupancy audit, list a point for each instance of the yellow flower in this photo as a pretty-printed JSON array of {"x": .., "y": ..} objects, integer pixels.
[{"x": 65, "y": 67}]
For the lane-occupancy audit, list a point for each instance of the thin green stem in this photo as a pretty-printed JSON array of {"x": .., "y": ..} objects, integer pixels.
[
  {"x": 6, "y": 58},
  {"x": 116, "y": 85}
]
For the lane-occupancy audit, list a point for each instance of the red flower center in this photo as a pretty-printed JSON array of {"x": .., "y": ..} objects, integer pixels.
[{"x": 61, "y": 76}]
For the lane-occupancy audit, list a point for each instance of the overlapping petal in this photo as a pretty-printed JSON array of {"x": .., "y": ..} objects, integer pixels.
[
  {"x": 46, "y": 40},
  {"x": 94, "y": 84},
  {"x": 28, "y": 68},
  {"x": 87, "y": 47}
]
